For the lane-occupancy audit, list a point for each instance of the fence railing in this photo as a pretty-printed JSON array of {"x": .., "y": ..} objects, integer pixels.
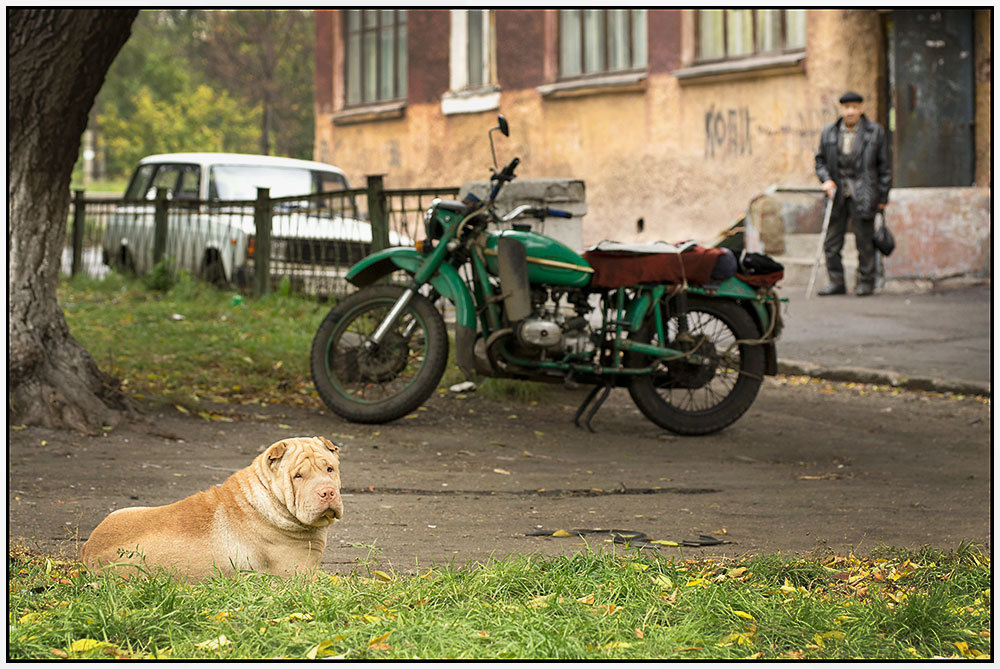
[{"x": 251, "y": 245}]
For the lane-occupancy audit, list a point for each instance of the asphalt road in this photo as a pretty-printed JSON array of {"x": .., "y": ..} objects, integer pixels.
[{"x": 811, "y": 467}]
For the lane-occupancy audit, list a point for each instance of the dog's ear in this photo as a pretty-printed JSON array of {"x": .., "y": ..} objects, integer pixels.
[
  {"x": 274, "y": 453},
  {"x": 329, "y": 444}
]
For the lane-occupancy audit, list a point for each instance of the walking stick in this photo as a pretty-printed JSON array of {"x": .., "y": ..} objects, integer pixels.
[{"x": 819, "y": 247}]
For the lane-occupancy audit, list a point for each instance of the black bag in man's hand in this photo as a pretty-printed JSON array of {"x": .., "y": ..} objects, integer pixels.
[{"x": 884, "y": 241}]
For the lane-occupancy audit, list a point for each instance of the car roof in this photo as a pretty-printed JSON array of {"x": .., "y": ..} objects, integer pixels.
[{"x": 208, "y": 159}]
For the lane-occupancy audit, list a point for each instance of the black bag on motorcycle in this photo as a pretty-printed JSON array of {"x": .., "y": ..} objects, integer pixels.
[{"x": 759, "y": 270}]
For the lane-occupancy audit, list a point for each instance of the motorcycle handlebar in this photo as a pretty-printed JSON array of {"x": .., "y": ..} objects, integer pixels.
[{"x": 506, "y": 174}]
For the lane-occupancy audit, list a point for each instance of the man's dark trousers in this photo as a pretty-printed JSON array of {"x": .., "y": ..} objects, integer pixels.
[{"x": 864, "y": 231}]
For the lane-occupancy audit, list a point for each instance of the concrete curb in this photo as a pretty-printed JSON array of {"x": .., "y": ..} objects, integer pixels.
[{"x": 884, "y": 377}]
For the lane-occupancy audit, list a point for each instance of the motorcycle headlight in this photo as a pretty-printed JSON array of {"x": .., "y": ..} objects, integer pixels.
[{"x": 432, "y": 226}]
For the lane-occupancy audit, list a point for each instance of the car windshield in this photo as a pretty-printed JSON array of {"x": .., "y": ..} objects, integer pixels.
[{"x": 240, "y": 182}]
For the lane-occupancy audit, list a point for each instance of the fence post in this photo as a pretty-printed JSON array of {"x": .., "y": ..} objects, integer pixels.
[
  {"x": 262, "y": 243},
  {"x": 160, "y": 225},
  {"x": 378, "y": 214},
  {"x": 79, "y": 223}
]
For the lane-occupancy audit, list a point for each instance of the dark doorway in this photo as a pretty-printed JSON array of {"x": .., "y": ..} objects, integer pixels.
[{"x": 931, "y": 97}]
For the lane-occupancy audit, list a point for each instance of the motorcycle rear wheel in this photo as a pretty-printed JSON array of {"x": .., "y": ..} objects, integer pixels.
[
  {"x": 385, "y": 383},
  {"x": 691, "y": 399}
]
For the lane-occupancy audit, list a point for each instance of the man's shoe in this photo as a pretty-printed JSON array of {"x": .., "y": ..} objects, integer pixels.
[
  {"x": 833, "y": 289},
  {"x": 864, "y": 291}
]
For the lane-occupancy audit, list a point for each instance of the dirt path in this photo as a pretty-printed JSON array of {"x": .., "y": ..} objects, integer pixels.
[{"x": 465, "y": 479}]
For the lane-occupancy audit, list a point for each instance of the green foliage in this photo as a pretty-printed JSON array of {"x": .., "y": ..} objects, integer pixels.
[
  {"x": 165, "y": 91},
  {"x": 592, "y": 605},
  {"x": 199, "y": 120},
  {"x": 160, "y": 277}
]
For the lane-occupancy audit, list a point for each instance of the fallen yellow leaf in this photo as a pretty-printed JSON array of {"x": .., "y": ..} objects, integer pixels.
[
  {"x": 382, "y": 575},
  {"x": 664, "y": 542},
  {"x": 83, "y": 645},
  {"x": 323, "y": 648},
  {"x": 744, "y": 614},
  {"x": 380, "y": 639},
  {"x": 663, "y": 581},
  {"x": 213, "y": 644},
  {"x": 541, "y": 601},
  {"x": 561, "y": 533}
]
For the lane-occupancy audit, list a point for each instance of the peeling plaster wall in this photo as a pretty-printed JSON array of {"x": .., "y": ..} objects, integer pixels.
[{"x": 940, "y": 232}]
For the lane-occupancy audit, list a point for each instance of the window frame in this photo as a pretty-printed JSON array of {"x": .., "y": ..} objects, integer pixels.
[
  {"x": 459, "y": 77},
  {"x": 398, "y": 73},
  {"x": 631, "y": 35},
  {"x": 754, "y": 53}
]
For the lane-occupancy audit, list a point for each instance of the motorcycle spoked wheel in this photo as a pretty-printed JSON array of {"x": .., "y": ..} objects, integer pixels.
[
  {"x": 694, "y": 399},
  {"x": 380, "y": 385}
]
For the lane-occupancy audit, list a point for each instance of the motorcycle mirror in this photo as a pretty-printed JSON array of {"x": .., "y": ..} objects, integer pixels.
[{"x": 503, "y": 128}]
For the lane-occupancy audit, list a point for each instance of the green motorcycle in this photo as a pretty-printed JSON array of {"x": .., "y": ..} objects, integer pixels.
[{"x": 528, "y": 307}]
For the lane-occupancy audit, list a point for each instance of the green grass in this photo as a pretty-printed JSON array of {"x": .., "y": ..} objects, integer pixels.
[
  {"x": 185, "y": 342},
  {"x": 608, "y": 605},
  {"x": 116, "y": 186},
  {"x": 191, "y": 343}
]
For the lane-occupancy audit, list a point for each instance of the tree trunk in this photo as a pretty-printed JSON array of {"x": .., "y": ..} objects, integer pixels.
[{"x": 56, "y": 63}]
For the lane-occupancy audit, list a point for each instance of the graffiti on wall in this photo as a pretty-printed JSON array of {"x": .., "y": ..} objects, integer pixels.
[
  {"x": 727, "y": 132},
  {"x": 804, "y": 127}
]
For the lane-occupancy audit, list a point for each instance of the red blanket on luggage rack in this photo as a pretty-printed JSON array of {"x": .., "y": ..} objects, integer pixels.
[{"x": 617, "y": 268}]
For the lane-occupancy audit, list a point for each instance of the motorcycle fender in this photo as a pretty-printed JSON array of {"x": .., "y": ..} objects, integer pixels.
[
  {"x": 761, "y": 316},
  {"x": 445, "y": 280}
]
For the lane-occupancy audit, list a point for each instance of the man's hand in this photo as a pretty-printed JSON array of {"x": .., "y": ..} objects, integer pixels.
[{"x": 830, "y": 188}]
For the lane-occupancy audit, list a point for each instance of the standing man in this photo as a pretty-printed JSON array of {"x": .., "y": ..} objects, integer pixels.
[{"x": 854, "y": 168}]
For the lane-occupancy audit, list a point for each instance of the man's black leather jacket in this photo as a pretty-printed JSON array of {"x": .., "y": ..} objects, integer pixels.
[{"x": 873, "y": 174}]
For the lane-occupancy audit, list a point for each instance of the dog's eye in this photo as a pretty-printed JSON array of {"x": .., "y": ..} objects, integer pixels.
[
  {"x": 329, "y": 469},
  {"x": 297, "y": 476}
]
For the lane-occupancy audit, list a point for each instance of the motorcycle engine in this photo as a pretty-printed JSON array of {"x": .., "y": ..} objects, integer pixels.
[{"x": 550, "y": 330}]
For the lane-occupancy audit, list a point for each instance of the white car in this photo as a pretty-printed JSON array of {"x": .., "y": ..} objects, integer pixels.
[{"x": 210, "y": 222}]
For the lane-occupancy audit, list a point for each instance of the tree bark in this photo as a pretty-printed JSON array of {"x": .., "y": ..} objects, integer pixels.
[{"x": 56, "y": 63}]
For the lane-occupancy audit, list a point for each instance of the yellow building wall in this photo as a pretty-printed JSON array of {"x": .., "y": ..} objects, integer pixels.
[{"x": 687, "y": 158}]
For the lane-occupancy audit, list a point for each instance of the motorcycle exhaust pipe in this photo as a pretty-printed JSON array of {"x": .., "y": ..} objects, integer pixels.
[{"x": 512, "y": 262}]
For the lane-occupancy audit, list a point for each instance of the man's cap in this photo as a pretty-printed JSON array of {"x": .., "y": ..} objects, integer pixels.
[{"x": 851, "y": 96}]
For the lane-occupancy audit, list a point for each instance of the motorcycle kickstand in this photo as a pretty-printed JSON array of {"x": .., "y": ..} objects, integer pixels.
[{"x": 605, "y": 390}]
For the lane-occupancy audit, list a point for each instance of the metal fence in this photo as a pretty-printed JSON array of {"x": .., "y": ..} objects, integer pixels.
[{"x": 308, "y": 241}]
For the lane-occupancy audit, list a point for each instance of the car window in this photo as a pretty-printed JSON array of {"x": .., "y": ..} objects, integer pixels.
[
  {"x": 329, "y": 181},
  {"x": 165, "y": 177},
  {"x": 140, "y": 182},
  {"x": 190, "y": 180},
  {"x": 240, "y": 182}
]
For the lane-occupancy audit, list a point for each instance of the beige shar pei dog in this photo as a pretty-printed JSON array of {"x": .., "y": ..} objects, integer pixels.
[{"x": 272, "y": 516}]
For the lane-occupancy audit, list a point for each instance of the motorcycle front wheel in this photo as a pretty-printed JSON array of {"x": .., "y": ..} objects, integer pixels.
[
  {"x": 695, "y": 399},
  {"x": 376, "y": 384}
]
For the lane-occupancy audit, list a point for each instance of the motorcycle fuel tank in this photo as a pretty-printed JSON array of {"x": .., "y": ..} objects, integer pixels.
[{"x": 549, "y": 261}]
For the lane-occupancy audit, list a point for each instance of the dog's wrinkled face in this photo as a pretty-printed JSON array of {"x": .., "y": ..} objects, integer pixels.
[{"x": 305, "y": 475}]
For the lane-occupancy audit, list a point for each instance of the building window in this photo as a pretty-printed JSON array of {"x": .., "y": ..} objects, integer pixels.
[
  {"x": 725, "y": 34},
  {"x": 599, "y": 41},
  {"x": 471, "y": 49},
  {"x": 375, "y": 55}
]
